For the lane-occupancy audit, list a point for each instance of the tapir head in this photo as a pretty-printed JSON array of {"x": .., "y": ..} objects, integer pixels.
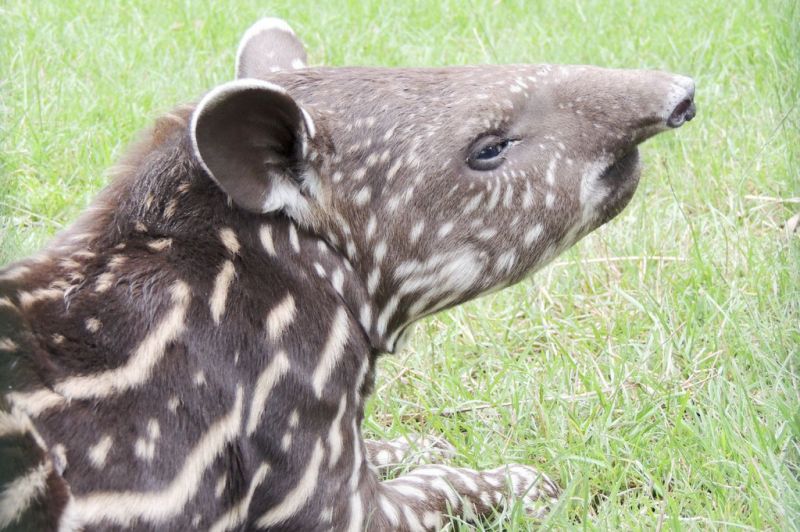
[{"x": 437, "y": 184}]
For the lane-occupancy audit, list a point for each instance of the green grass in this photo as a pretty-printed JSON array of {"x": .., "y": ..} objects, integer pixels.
[{"x": 652, "y": 370}]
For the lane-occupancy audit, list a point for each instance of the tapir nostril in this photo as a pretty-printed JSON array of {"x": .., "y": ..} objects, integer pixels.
[{"x": 684, "y": 112}]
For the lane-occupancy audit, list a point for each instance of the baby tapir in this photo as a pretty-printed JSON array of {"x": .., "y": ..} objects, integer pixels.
[{"x": 195, "y": 352}]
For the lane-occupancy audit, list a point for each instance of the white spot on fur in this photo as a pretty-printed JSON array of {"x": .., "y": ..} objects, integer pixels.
[
  {"x": 117, "y": 261},
  {"x": 104, "y": 282},
  {"x": 160, "y": 244},
  {"x": 219, "y": 488},
  {"x": 505, "y": 262},
  {"x": 372, "y": 224},
  {"x": 280, "y": 317},
  {"x": 219, "y": 294},
  {"x": 16, "y": 422},
  {"x": 445, "y": 229},
  {"x": 173, "y": 404},
  {"x": 355, "y": 474},
  {"x": 380, "y": 251},
  {"x": 527, "y": 198},
  {"x": 533, "y": 234},
  {"x": 473, "y": 203},
  {"x": 337, "y": 280},
  {"x": 550, "y": 176},
  {"x": 58, "y": 456},
  {"x": 389, "y": 133},
  {"x": 169, "y": 210},
  {"x": 267, "y": 379},
  {"x": 394, "y": 169},
  {"x": 509, "y": 196},
  {"x": 265, "y": 234},
  {"x": 332, "y": 351},
  {"x": 372, "y": 280},
  {"x": 494, "y": 199},
  {"x": 372, "y": 159},
  {"x": 326, "y": 515},
  {"x": 366, "y": 316},
  {"x": 432, "y": 520},
  {"x": 416, "y": 232},
  {"x": 8, "y": 345},
  {"x": 99, "y": 451},
  {"x": 487, "y": 233},
  {"x": 93, "y": 325},
  {"x": 145, "y": 448},
  {"x": 335, "y": 435},
  {"x": 363, "y": 196},
  {"x": 293, "y": 238},
  {"x": 387, "y": 313}
]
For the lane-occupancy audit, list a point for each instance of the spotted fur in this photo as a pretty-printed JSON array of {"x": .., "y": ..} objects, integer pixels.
[{"x": 195, "y": 351}]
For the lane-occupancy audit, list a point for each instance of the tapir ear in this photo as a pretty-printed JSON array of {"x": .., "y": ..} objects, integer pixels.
[
  {"x": 268, "y": 46},
  {"x": 252, "y": 138}
]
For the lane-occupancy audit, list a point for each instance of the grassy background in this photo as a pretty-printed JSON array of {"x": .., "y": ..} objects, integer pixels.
[{"x": 653, "y": 370}]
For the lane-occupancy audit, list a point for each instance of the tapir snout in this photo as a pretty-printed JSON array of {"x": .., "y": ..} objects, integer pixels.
[{"x": 686, "y": 109}]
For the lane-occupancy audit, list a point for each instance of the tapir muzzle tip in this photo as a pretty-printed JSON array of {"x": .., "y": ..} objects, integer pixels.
[{"x": 684, "y": 111}]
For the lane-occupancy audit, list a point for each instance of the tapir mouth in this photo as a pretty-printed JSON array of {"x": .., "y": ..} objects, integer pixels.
[
  {"x": 621, "y": 177},
  {"x": 622, "y": 169}
]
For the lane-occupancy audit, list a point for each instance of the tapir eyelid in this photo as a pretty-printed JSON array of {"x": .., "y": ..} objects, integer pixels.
[{"x": 487, "y": 152}]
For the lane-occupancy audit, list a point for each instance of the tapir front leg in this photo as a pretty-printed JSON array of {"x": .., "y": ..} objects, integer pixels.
[
  {"x": 423, "y": 499},
  {"x": 411, "y": 449}
]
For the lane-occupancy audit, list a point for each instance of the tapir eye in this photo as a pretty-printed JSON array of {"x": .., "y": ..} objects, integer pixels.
[{"x": 487, "y": 152}]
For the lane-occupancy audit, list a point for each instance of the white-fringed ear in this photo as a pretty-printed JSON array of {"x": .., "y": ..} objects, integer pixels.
[
  {"x": 252, "y": 138},
  {"x": 269, "y": 45}
]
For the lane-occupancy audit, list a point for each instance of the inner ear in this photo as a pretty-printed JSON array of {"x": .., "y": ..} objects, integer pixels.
[{"x": 251, "y": 138}]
